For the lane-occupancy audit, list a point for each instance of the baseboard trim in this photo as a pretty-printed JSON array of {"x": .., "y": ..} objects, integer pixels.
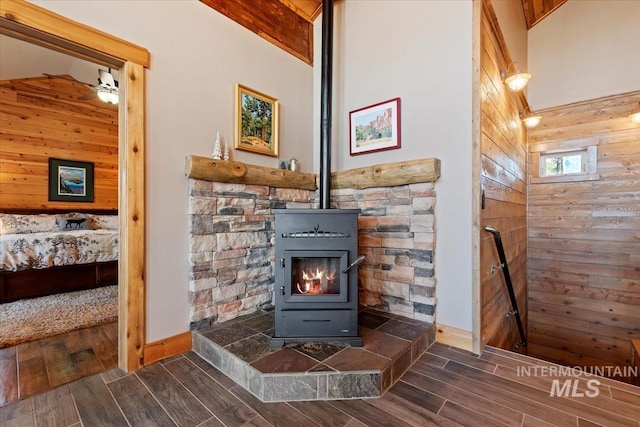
[
  {"x": 166, "y": 348},
  {"x": 455, "y": 337}
]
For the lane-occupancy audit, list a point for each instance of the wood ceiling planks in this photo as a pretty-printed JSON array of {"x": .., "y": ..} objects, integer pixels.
[
  {"x": 274, "y": 21},
  {"x": 536, "y": 10},
  {"x": 308, "y": 9}
]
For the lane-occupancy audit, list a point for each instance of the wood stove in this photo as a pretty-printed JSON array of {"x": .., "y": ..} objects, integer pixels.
[
  {"x": 316, "y": 250},
  {"x": 316, "y": 282}
]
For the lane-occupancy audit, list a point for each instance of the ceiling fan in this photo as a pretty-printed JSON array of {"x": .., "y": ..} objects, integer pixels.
[{"x": 106, "y": 89}]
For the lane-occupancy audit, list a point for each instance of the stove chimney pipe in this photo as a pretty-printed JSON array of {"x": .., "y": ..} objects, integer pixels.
[{"x": 326, "y": 104}]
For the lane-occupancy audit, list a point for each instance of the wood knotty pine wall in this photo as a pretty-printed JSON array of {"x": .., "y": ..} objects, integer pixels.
[
  {"x": 584, "y": 240},
  {"x": 503, "y": 180},
  {"x": 41, "y": 117}
]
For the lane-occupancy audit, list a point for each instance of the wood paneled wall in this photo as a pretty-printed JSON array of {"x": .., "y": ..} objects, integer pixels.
[
  {"x": 41, "y": 117},
  {"x": 584, "y": 241},
  {"x": 503, "y": 180}
]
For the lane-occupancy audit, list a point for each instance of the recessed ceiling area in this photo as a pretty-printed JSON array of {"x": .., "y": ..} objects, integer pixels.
[
  {"x": 289, "y": 23},
  {"x": 534, "y": 10}
]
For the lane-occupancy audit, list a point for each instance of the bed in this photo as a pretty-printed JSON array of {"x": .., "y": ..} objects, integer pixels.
[{"x": 44, "y": 254}]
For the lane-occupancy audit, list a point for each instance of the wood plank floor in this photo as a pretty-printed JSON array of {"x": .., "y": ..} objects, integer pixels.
[
  {"x": 32, "y": 368},
  {"x": 446, "y": 387}
]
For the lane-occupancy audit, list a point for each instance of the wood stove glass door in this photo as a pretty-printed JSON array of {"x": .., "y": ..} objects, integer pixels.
[{"x": 316, "y": 276}]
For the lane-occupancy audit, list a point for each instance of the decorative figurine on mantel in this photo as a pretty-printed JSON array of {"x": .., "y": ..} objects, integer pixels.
[
  {"x": 225, "y": 156},
  {"x": 217, "y": 153}
]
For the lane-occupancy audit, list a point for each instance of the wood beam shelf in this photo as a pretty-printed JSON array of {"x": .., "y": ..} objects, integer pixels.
[
  {"x": 388, "y": 174},
  {"x": 228, "y": 171},
  {"x": 383, "y": 175}
]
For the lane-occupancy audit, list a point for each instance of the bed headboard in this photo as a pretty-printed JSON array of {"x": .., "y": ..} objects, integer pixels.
[{"x": 37, "y": 211}]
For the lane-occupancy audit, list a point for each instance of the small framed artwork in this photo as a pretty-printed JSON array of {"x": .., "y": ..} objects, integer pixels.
[
  {"x": 70, "y": 181},
  {"x": 256, "y": 127},
  {"x": 375, "y": 128}
]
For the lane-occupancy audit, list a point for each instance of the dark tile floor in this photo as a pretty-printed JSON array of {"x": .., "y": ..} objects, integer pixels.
[
  {"x": 31, "y": 368},
  {"x": 445, "y": 387},
  {"x": 316, "y": 370}
]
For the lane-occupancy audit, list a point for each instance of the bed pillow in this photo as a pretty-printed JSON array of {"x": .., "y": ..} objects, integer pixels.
[
  {"x": 107, "y": 222},
  {"x": 25, "y": 224},
  {"x": 75, "y": 222}
]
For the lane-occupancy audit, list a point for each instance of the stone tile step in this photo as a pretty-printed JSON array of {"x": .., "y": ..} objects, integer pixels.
[{"x": 314, "y": 370}]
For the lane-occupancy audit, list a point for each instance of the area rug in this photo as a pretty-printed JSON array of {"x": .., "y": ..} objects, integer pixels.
[{"x": 32, "y": 319}]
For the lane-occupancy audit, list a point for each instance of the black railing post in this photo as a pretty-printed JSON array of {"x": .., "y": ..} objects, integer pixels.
[{"x": 507, "y": 277}]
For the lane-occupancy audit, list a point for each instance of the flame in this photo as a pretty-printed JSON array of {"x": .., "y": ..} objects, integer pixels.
[
  {"x": 318, "y": 275},
  {"x": 316, "y": 282}
]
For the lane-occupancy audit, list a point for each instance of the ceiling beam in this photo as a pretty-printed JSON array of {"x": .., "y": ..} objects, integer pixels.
[
  {"x": 273, "y": 21},
  {"x": 308, "y": 9},
  {"x": 536, "y": 10}
]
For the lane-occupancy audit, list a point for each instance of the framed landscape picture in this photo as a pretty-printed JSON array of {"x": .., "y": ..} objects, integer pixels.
[
  {"x": 70, "y": 181},
  {"x": 375, "y": 128},
  {"x": 256, "y": 127}
]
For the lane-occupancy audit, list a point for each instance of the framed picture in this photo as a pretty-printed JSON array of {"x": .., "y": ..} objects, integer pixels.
[
  {"x": 70, "y": 181},
  {"x": 256, "y": 126},
  {"x": 375, "y": 128}
]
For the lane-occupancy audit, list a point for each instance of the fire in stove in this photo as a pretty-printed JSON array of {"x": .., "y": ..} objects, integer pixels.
[{"x": 315, "y": 277}]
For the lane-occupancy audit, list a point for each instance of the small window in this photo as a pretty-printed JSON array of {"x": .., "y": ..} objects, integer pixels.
[{"x": 565, "y": 161}]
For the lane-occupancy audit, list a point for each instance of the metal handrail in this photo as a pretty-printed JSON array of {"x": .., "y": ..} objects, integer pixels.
[{"x": 505, "y": 271}]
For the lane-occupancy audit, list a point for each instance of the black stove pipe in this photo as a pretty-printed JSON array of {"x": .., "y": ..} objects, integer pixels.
[{"x": 325, "y": 104}]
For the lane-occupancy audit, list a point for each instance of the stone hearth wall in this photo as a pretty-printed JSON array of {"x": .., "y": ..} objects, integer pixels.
[
  {"x": 231, "y": 247},
  {"x": 396, "y": 234}
]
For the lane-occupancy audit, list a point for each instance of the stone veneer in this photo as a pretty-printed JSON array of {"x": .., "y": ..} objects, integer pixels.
[
  {"x": 231, "y": 247},
  {"x": 396, "y": 234}
]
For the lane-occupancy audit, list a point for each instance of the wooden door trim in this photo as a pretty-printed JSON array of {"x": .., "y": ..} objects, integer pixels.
[{"x": 34, "y": 24}]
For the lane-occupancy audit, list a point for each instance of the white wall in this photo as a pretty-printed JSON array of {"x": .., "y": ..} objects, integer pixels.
[
  {"x": 510, "y": 17},
  {"x": 197, "y": 57},
  {"x": 584, "y": 50},
  {"x": 419, "y": 51}
]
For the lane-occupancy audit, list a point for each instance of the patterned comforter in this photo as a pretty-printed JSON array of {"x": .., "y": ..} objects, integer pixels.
[{"x": 42, "y": 250}]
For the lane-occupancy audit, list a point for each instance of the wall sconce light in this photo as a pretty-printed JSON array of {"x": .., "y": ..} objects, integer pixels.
[
  {"x": 516, "y": 79},
  {"x": 529, "y": 118},
  {"x": 635, "y": 116}
]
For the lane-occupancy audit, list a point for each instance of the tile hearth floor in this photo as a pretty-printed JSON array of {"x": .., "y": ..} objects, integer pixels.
[{"x": 314, "y": 371}]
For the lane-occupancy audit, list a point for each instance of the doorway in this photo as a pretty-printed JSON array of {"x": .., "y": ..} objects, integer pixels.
[{"x": 31, "y": 23}]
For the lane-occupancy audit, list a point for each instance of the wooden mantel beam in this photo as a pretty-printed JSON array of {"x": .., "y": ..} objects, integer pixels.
[
  {"x": 228, "y": 171},
  {"x": 388, "y": 174},
  {"x": 384, "y": 175}
]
